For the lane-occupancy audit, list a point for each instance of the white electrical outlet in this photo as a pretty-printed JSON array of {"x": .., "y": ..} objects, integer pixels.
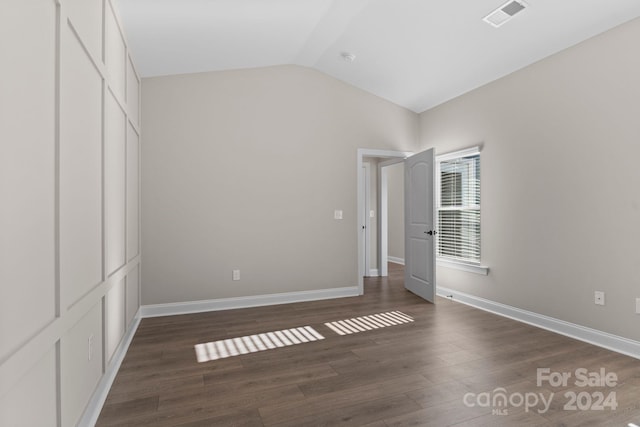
[
  {"x": 236, "y": 274},
  {"x": 90, "y": 349},
  {"x": 599, "y": 298},
  {"x": 337, "y": 214},
  {"x": 637, "y": 305}
]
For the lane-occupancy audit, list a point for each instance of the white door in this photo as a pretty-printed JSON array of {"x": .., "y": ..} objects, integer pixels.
[{"x": 420, "y": 237}]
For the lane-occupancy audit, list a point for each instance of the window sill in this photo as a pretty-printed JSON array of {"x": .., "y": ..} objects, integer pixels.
[{"x": 457, "y": 265}]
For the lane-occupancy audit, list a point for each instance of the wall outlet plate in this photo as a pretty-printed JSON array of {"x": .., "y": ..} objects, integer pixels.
[
  {"x": 598, "y": 297},
  {"x": 236, "y": 275},
  {"x": 637, "y": 305}
]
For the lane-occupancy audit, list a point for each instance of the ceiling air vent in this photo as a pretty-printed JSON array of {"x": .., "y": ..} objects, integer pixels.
[{"x": 505, "y": 12}]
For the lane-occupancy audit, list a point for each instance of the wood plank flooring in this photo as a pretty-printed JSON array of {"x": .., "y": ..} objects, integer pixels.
[{"x": 445, "y": 368}]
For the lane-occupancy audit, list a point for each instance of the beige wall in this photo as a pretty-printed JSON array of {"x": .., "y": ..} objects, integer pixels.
[
  {"x": 560, "y": 202},
  {"x": 244, "y": 169},
  {"x": 395, "y": 201},
  {"x": 66, "y": 215},
  {"x": 372, "y": 223}
]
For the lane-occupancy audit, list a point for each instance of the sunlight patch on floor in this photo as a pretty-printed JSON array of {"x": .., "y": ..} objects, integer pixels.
[
  {"x": 253, "y": 343},
  {"x": 368, "y": 323}
]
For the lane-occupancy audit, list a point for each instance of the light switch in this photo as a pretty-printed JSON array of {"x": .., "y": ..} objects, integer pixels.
[
  {"x": 372, "y": 214},
  {"x": 337, "y": 214}
]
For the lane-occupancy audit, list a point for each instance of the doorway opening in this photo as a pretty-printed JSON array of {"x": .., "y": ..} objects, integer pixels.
[
  {"x": 419, "y": 218},
  {"x": 384, "y": 159},
  {"x": 390, "y": 214}
]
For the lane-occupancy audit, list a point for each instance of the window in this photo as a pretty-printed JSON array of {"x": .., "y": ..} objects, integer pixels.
[{"x": 458, "y": 205}]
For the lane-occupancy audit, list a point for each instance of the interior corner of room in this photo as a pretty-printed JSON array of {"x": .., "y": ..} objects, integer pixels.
[{"x": 127, "y": 196}]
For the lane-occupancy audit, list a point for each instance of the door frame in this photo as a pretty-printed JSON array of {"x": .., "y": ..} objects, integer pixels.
[{"x": 361, "y": 209}]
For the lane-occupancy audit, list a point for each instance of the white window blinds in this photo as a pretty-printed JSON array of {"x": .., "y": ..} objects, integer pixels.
[{"x": 459, "y": 207}]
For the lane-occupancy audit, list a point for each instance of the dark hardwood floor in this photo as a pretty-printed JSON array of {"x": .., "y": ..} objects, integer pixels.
[{"x": 448, "y": 367}]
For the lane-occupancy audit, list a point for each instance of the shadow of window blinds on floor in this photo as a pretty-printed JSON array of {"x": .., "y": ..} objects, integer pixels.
[
  {"x": 254, "y": 343},
  {"x": 368, "y": 323}
]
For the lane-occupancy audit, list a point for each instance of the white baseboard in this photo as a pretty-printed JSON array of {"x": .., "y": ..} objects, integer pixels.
[
  {"x": 395, "y": 260},
  {"x": 374, "y": 272},
  {"x": 171, "y": 309},
  {"x": 582, "y": 333},
  {"x": 92, "y": 411}
]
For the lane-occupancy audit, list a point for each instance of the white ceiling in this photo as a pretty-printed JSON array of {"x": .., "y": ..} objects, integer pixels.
[{"x": 415, "y": 53}]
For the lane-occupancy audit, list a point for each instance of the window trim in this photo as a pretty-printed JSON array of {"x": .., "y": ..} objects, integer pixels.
[
  {"x": 469, "y": 266},
  {"x": 463, "y": 266}
]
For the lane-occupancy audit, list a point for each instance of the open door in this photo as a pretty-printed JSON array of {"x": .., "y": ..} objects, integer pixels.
[{"x": 420, "y": 233}]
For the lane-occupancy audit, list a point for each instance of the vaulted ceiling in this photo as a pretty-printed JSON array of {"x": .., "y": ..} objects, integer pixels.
[{"x": 415, "y": 53}]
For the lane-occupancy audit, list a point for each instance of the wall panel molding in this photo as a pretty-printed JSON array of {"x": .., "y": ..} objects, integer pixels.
[
  {"x": 75, "y": 34},
  {"x": 115, "y": 129},
  {"x": 81, "y": 178},
  {"x": 19, "y": 362}
]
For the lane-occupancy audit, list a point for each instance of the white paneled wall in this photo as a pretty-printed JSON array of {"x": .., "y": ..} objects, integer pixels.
[
  {"x": 133, "y": 93},
  {"x": 132, "y": 296},
  {"x": 69, "y": 185},
  {"x": 115, "y": 308},
  {"x": 27, "y": 173},
  {"x": 81, "y": 351},
  {"x": 115, "y": 185},
  {"x": 37, "y": 385},
  {"x": 115, "y": 53},
  {"x": 133, "y": 185},
  {"x": 80, "y": 170}
]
